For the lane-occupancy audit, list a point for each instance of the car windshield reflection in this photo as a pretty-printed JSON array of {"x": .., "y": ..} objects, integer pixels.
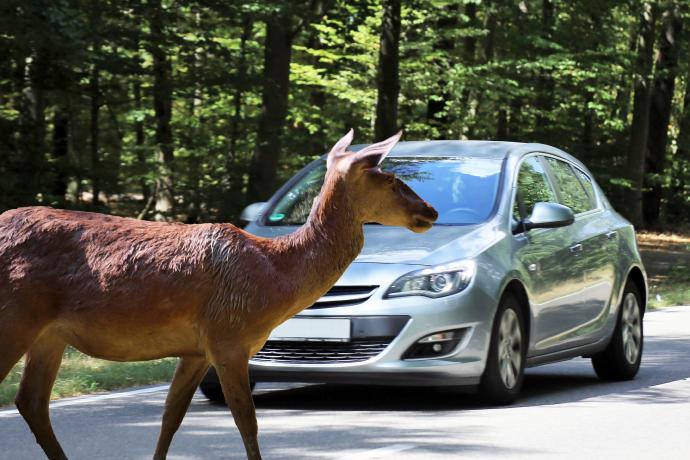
[{"x": 463, "y": 190}]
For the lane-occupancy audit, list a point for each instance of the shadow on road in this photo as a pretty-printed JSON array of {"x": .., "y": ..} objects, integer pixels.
[{"x": 664, "y": 361}]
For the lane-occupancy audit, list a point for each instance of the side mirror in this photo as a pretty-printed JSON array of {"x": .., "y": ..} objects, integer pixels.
[
  {"x": 548, "y": 215},
  {"x": 253, "y": 211}
]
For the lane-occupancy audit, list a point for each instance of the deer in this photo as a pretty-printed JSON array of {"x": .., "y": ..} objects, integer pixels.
[{"x": 124, "y": 289}]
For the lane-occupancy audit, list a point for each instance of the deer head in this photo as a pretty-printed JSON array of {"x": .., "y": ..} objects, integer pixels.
[{"x": 378, "y": 196}]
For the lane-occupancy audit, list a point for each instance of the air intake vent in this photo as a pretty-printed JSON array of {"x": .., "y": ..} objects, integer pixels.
[
  {"x": 340, "y": 296},
  {"x": 321, "y": 352}
]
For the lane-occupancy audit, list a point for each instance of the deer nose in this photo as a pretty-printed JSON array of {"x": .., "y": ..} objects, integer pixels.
[
  {"x": 425, "y": 216},
  {"x": 428, "y": 212}
]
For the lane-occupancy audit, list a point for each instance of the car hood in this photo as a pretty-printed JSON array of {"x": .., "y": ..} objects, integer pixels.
[{"x": 395, "y": 245}]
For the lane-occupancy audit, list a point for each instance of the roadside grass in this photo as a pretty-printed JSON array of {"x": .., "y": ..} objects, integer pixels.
[
  {"x": 673, "y": 290},
  {"x": 81, "y": 374},
  {"x": 666, "y": 257}
]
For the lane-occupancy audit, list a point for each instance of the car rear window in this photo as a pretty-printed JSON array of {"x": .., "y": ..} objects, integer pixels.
[
  {"x": 571, "y": 191},
  {"x": 589, "y": 187}
]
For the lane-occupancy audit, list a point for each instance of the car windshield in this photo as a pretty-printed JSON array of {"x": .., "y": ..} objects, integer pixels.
[{"x": 462, "y": 189}]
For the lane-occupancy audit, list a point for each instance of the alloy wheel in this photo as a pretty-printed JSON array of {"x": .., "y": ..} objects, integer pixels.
[
  {"x": 509, "y": 348},
  {"x": 631, "y": 328}
]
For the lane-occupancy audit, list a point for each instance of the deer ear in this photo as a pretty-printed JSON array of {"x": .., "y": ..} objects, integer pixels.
[
  {"x": 372, "y": 155},
  {"x": 339, "y": 149}
]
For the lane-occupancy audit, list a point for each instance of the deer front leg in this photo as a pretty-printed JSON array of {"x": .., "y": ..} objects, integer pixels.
[
  {"x": 233, "y": 372},
  {"x": 42, "y": 364},
  {"x": 188, "y": 375}
]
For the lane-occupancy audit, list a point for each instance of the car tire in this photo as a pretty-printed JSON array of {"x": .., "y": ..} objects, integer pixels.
[
  {"x": 211, "y": 388},
  {"x": 503, "y": 376},
  {"x": 621, "y": 358}
]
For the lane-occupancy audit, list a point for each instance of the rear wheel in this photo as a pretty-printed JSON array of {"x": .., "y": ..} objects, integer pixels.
[
  {"x": 211, "y": 388},
  {"x": 505, "y": 365},
  {"x": 621, "y": 358}
]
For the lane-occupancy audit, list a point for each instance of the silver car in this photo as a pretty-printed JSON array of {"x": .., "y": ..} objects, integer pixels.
[{"x": 527, "y": 264}]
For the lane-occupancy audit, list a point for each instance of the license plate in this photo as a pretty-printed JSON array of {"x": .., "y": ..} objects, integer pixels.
[{"x": 313, "y": 329}]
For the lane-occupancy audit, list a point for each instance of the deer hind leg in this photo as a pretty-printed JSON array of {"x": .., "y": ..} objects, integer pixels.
[
  {"x": 40, "y": 370},
  {"x": 11, "y": 352},
  {"x": 16, "y": 336},
  {"x": 188, "y": 375},
  {"x": 233, "y": 372}
]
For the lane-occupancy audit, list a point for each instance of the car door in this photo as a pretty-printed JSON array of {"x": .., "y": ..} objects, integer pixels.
[
  {"x": 592, "y": 267},
  {"x": 543, "y": 256}
]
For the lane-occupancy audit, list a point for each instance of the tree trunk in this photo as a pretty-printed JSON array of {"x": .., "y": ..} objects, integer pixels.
[
  {"x": 490, "y": 24},
  {"x": 31, "y": 145},
  {"x": 316, "y": 142},
  {"x": 545, "y": 82},
  {"x": 437, "y": 106},
  {"x": 240, "y": 87},
  {"x": 469, "y": 46},
  {"x": 589, "y": 117},
  {"x": 488, "y": 51},
  {"x": 234, "y": 168},
  {"x": 94, "y": 95},
  {"x": 502, "y": 125},
  {"x": 641, "y": 108},
  {"x": 139, "y": 139},
  {"x": 162, "y": 102},
  {"x": 469, "y": 103},
  {"x": 515, "y": 120},
  {"x": 139, "y": 134},
  {"x": 95, "y": 105},
  {"x": 682, "y": 171},
  {"x": 487, "y": 55},
  {"x": 587, "y": 125},
  {"x": 622, "y": 104},
  {"x": 195, "y": 60},
  {"x": 61, "y": 121},
  {"x": 387, "y": 77},
  {"x": 660, "y": 111},
  {"x": 274, "y": 106}
]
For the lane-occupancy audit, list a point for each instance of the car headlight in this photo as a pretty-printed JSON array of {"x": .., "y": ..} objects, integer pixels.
[{"x": 438, "y": 281}]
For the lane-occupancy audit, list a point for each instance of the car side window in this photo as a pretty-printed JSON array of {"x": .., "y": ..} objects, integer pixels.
[
  {"x": 571, "y": 190},
  {"x": 532, "y": 187},
  {"x": 589, "y": 187}
]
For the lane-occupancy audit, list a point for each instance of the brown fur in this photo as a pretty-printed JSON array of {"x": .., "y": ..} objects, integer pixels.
[{"x": 127, "y": 290}]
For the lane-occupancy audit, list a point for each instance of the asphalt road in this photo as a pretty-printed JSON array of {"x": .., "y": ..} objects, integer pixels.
[{"x": 565, "y": 413}]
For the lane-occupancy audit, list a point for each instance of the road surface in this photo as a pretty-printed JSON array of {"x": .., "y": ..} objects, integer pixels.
[{"x": 565, "y": 413}]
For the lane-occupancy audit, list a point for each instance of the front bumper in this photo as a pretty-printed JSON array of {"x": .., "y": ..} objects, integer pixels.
[{"x": 471, "y": 311}]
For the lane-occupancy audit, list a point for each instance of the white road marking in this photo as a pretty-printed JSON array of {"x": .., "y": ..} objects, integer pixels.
[
  {"x": 381, "y": 452},
  {"x": 92, "y": 398}
]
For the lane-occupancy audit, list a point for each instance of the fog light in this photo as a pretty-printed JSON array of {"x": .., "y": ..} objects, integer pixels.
[
  {"x": 438, "y": 337},
  {"x": 435, "y": 345}
]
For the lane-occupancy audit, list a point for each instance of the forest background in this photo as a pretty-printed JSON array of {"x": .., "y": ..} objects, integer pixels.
[{"x": 190, "y": 110}]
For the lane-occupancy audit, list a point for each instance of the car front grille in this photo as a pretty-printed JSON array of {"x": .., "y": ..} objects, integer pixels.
[
  {"x": 339, "y": 296},
  {"x": 289, "y": 352}
]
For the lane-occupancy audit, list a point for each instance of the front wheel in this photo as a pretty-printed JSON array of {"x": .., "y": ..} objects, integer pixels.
[
  {"x": 505, "y": 365},
  {"x": 621, "y": 358}
]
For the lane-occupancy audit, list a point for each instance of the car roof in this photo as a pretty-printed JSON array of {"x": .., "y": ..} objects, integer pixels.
[{"x": 477, "y": 149}]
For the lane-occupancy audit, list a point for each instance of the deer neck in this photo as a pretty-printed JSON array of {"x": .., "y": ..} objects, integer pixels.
[{"x": 317, "y": 254}]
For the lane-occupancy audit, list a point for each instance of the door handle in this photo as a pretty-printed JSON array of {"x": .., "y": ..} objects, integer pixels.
[
  {"x": 611, "y": 235},
  {"x": 576, "y": 248}
]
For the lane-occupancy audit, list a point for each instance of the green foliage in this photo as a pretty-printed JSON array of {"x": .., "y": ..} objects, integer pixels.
[{"x": 483, "y": 69}]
